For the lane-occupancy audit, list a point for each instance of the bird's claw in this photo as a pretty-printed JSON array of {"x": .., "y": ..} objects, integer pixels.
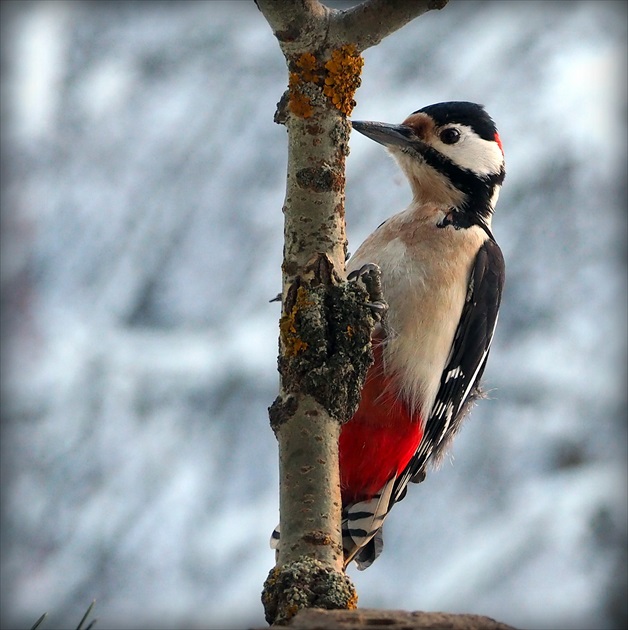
[
  {"x": 371, "y": 277},
  {"x": 379, "y": 307}
]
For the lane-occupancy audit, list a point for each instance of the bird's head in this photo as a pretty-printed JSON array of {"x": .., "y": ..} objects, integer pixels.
[{"x": 450, "y": 152}]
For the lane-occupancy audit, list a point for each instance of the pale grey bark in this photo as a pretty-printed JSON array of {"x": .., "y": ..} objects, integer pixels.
[
  {"x": 369, "y": 22},
  {"x": 364, "y": 25}
]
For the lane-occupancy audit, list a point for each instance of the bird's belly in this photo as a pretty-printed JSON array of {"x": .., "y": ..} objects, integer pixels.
[{"x": 425, "y": 303}]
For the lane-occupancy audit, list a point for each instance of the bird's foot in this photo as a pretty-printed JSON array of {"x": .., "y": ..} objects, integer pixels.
[{"x": 371, "y": 277}]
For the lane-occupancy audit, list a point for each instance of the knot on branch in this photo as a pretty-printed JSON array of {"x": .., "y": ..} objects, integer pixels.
[
  {"x": 305, "y": 583},
  {"x": 336, "y": 78},
  {"x": 325, "y": 333},
  {"x": 320, "y": 179}
]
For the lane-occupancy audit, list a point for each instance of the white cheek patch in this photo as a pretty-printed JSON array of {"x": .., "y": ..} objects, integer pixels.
[
  {"x": 483, "y": 157},
  {"x": 495, "y": 196}
]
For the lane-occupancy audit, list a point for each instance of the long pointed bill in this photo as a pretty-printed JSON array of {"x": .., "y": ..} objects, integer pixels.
[{"x": 388, "y": 135}]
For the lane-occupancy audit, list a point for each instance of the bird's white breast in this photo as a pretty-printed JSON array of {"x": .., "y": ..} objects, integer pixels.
[{"x": 425, "y": 274}]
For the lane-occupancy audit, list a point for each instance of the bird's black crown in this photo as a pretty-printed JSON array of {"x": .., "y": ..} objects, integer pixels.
[{"x": 465, "y": 113}]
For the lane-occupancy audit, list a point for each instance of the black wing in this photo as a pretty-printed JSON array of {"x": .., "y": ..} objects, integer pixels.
[{"x": 459, "y": 385}]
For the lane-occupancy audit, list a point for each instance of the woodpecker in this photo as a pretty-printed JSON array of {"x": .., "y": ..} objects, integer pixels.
[{"x": 442, "y": 275}]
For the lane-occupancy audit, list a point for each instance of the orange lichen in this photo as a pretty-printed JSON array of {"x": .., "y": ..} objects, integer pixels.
[
  {"x": 339, "y": 78},
  {"x": 352, "y": 603},
  {"x": 343, "y": 77},
  {"x": 310, "y": 70},
  {"x": 293, "y": 344},
  {"x": 299, "y": 103},
  {"x": 306, "y": 70}
]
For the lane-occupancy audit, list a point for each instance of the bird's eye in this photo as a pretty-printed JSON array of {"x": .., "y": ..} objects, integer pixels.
[{"x": 450, "y": 135}]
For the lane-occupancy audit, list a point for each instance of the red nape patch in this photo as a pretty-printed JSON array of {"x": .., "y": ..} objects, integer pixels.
[
  {"x": 499, "y": 142},
  {"x": 378, "y": 441}
]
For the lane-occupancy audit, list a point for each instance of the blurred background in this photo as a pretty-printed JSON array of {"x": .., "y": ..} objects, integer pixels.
[{"x": 142, "y": 185}]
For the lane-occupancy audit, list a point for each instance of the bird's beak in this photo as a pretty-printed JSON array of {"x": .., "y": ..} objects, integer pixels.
[{"x": 388, "y": 135}]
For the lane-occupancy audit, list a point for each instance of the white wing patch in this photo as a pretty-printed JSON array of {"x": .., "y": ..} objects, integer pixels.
[{"x": 455, "y": 373}]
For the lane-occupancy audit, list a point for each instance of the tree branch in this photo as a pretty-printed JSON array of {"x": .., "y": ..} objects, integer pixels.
[
  {"x": 325, "y": 326},
  {"x": 366, "y": 24},
  {"x": 292, "y": 21}
]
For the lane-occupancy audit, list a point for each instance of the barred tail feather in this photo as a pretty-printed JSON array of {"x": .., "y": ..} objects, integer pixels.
[{"x": 361, "y": 527}]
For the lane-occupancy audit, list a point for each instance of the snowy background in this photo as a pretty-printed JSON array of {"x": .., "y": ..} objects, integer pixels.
[{"x": 142, "y": 184}]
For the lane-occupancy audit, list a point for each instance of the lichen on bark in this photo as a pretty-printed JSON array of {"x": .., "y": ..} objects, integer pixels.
[
  {"x": 336, "y": 76},
  {"x": 305, "y": 583},
  {"x": 325, "y": 332}
]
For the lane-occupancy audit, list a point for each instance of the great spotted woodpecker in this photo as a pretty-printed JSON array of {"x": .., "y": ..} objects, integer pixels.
[{"x": 442, "y": 275}]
